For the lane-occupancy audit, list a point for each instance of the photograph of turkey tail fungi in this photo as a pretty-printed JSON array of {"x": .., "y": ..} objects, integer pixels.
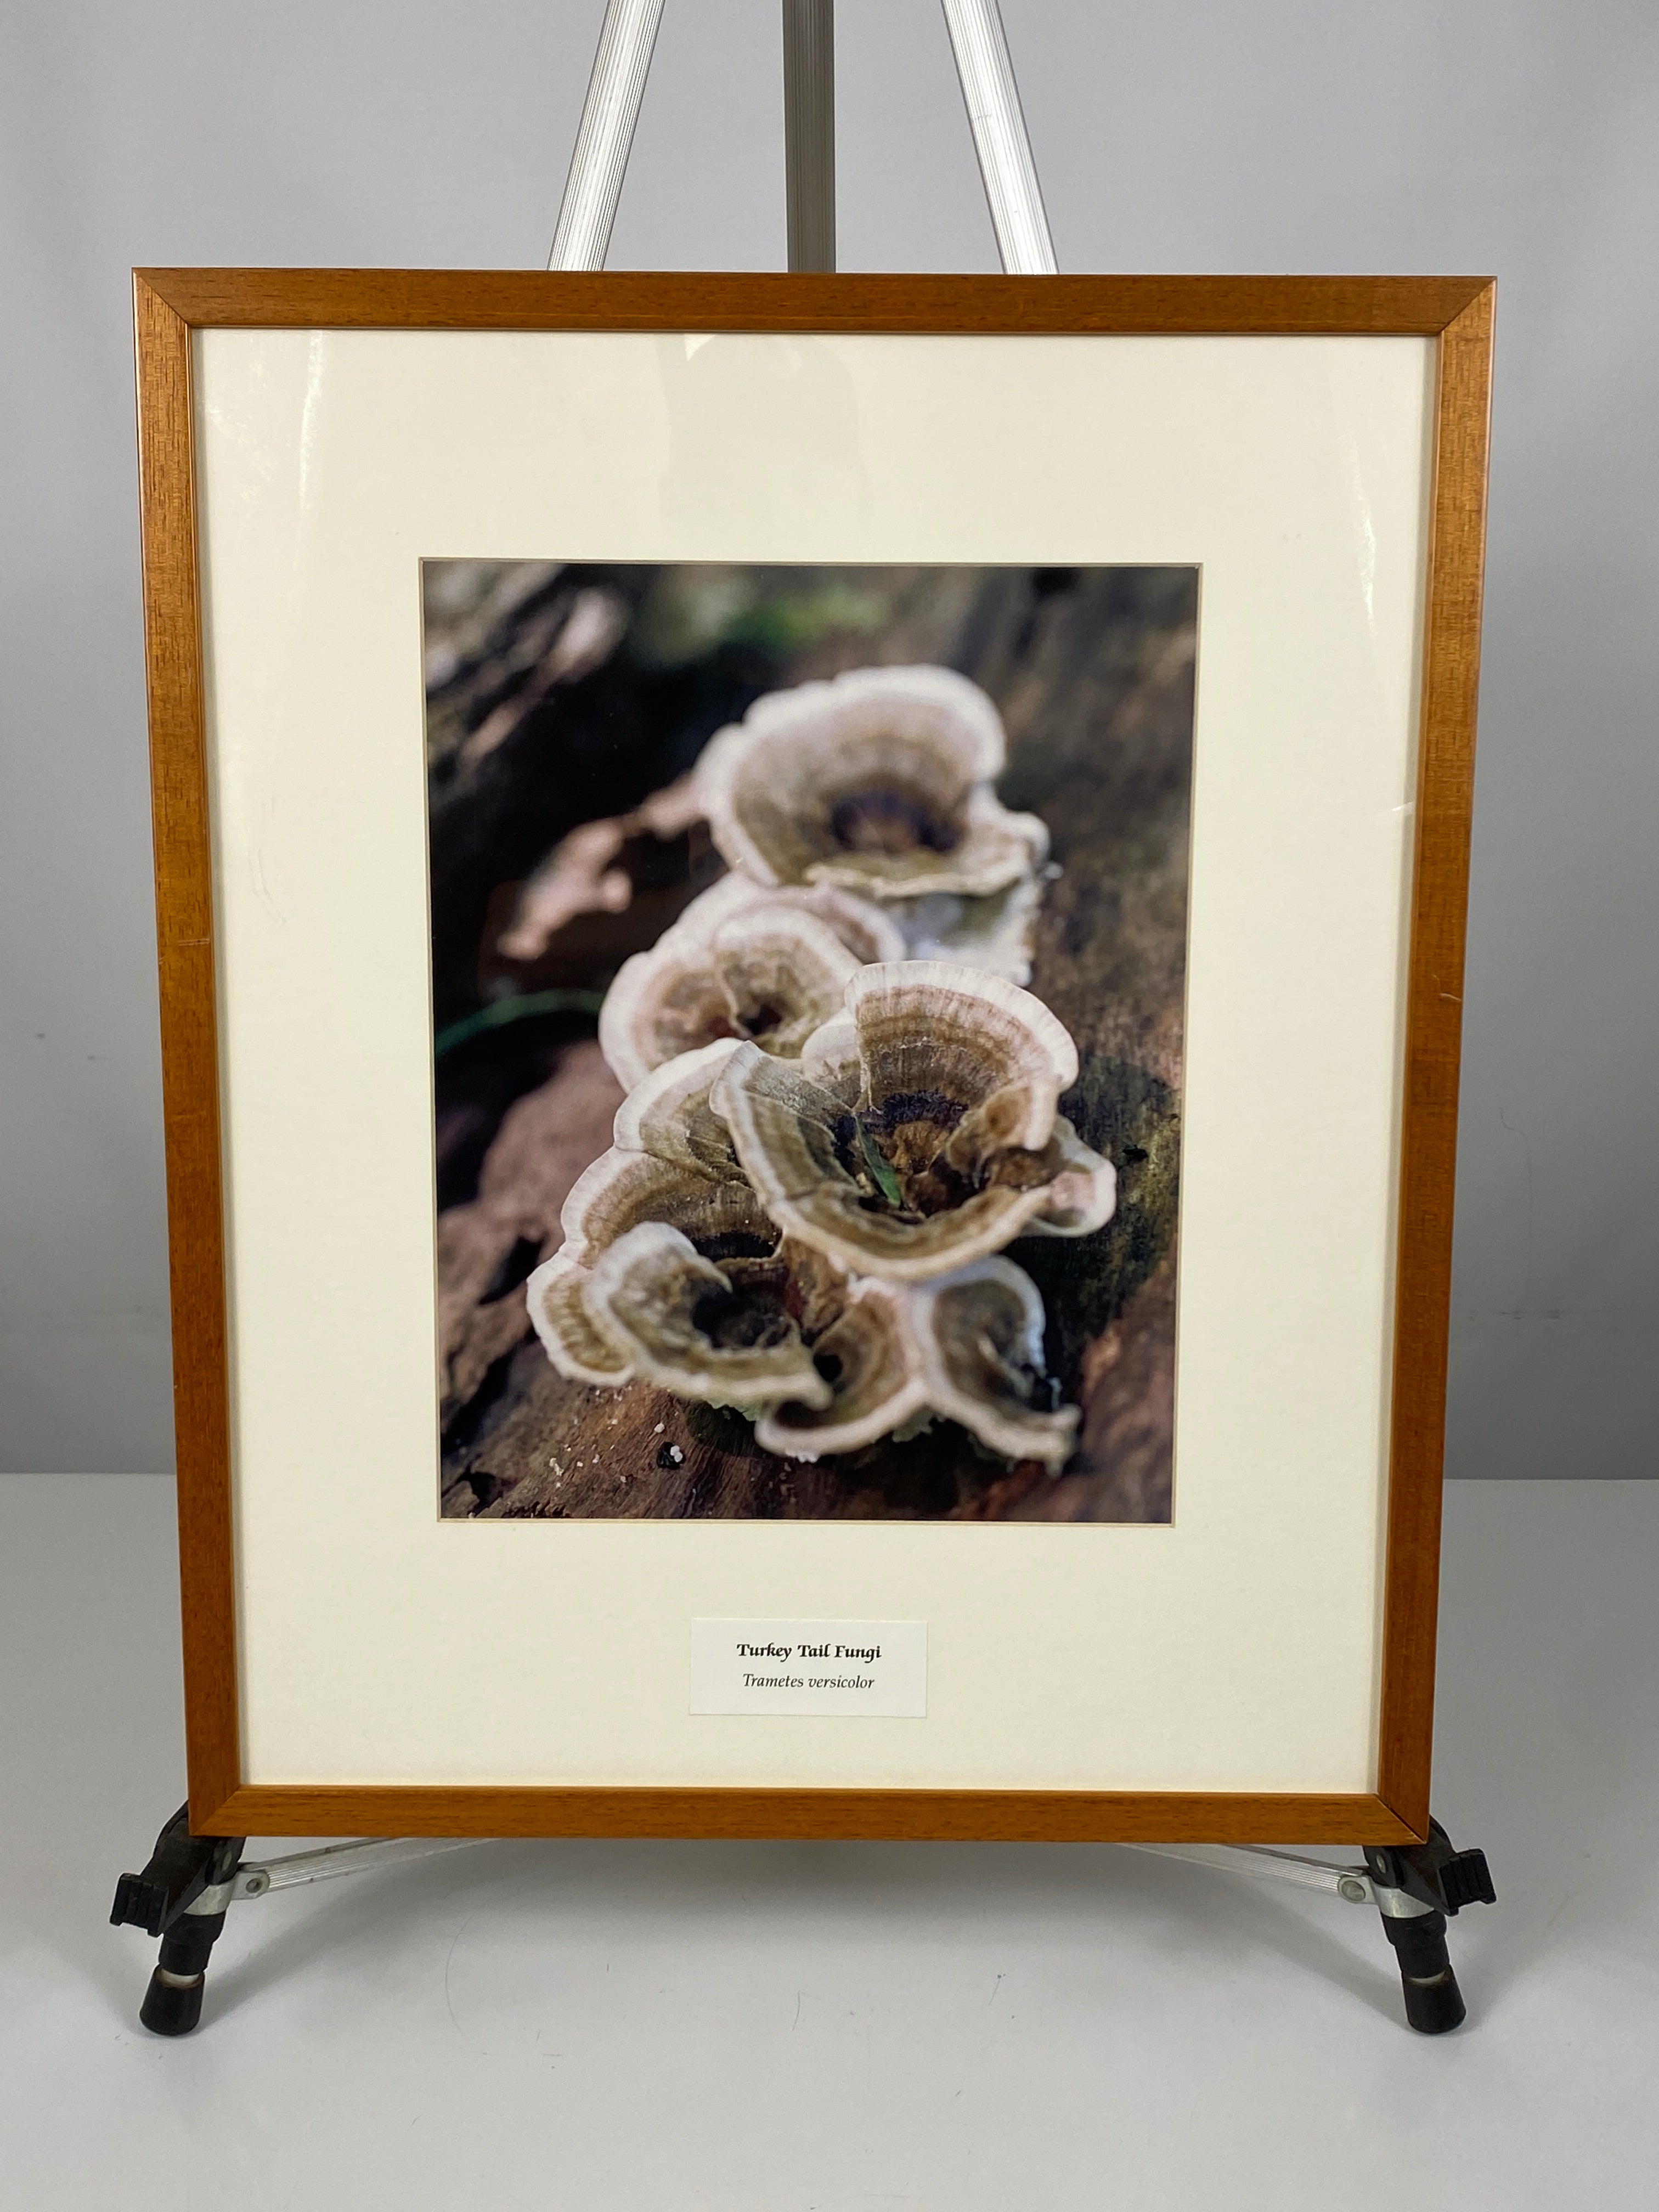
[{"x": 809, "y": 952}]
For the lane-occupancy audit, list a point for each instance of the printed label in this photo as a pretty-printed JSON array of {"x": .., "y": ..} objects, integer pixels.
[{"x": 873, "y": 1667}]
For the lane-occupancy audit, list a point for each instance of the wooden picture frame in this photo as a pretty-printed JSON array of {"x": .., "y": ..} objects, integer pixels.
[{"x": 172, "y": 307}]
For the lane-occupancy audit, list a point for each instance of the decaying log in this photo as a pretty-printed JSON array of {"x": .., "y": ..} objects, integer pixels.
[{"x": 488, "y": 1247}]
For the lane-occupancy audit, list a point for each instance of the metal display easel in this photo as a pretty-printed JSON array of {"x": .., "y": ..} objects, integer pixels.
[
  {"x": 617, "y": 87},
  {"x": 191, "y": 1882}
]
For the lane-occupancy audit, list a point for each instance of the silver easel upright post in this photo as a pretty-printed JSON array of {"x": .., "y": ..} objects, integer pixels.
[
  {"x": 809, "y": 132},
  {"x": 617, "y": 88}
]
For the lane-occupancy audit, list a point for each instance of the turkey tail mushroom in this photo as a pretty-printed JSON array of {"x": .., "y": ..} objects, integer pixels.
[
  {"x": 868, "y": 930},
  {"x": 672, "y": 1163},
  {"x": 771, "y": 971},
  {"x": 968, "y": 1347},
  {"x": 918, "y": 1131},
  {"x": 720, "y": 1334},
  {"x": 873, "y": 1368},
  {"x": 981, "y": 1335},
  {"x": 878, "y": 783}
]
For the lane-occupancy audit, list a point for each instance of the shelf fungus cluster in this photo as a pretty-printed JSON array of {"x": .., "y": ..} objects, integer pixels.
[
  {"x": 859, "y": 814},
  {"x": 828, "y": 1142}
]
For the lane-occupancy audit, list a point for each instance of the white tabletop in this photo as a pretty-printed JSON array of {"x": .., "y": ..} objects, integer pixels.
[{"x": 707, "y": 2027}]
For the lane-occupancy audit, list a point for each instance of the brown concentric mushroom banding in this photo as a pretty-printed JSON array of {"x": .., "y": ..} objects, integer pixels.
[
  {"x": 871, "y": 1366},
  {"x": 968, "y": 1347},
  {"x": 622, "y": 1189},
  {"x": 673, "y": 1271},
  {"x": 868, "y": 930},
  {"x": 771, "y": 971},
  {"x": 672, "y": 1166},
  {"x": 918, "y": 1131},
  {"x": 580, "y": 1350},
  {"x": 981, "y": 1333},
  {"x": 827, "y": 1141},
  {"x": 723, "y": 1335},
  {"x": 878, "y": 783},
  {"x": 669, "y": 1116}
]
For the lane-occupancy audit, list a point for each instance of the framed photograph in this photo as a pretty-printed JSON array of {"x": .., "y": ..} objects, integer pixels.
[{"x": 811, "y": 937}]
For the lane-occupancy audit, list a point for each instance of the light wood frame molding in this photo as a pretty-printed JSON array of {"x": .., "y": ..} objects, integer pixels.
[{"x": 170, "y": 305}]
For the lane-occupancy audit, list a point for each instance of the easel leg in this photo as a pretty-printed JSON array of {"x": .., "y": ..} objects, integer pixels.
[
  {"x": 1000, "y": 140},
  {"x": 1434, "y": 2003},
  {"x": 605, "y": 138},
  {"x": 1418, "y": 1888},
  {"x": 181, "y": 1896}
]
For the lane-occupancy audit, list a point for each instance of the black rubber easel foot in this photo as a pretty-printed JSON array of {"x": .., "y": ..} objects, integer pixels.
[
  {"x": 1434, "y": 2003},
  {"x": 172, "y": 2003},
  {"x": 1433, "y": 2008},
  {"x": 181, "y": 1897}
]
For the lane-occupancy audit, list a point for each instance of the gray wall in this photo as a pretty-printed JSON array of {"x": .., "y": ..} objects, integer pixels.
[{"x": 1515, "y": 136}]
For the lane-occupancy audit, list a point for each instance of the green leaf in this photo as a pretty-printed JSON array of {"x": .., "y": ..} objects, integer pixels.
[{"x": 886, "y": 1181}]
